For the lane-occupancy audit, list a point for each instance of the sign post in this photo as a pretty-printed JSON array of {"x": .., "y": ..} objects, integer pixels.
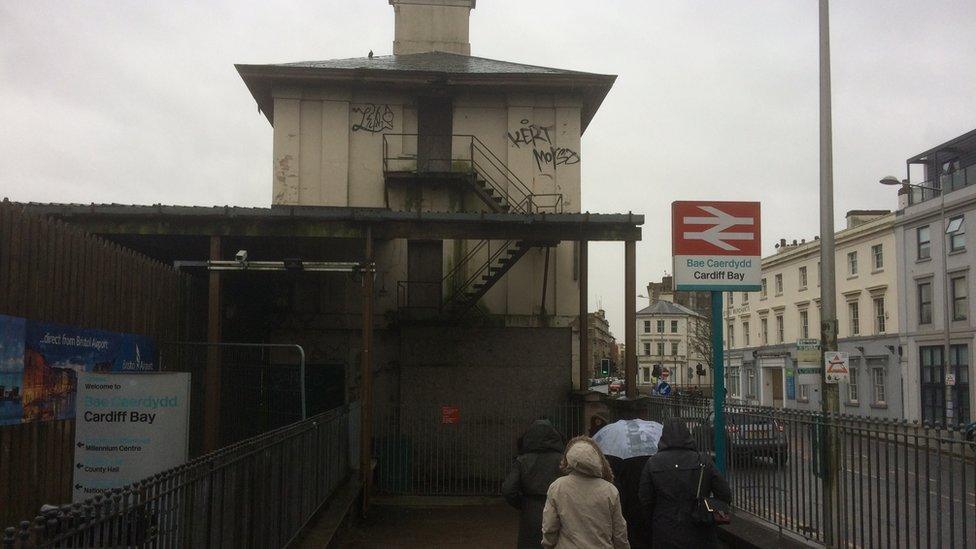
[{"x": 716, "y": 247}]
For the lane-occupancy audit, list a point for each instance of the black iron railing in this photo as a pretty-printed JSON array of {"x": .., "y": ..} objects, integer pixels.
[
  {"x": 259, "y": 492},
  {"x": 469, "y": 155},
  {"x": 954, "y": 181},
  {"x": 899, "y": 484}
]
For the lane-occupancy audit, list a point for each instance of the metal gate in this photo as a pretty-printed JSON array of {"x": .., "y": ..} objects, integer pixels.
[{"x": 458, "y": 449}]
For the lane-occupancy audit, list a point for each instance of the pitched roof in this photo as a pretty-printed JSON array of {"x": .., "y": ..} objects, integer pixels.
[
  {"x": 423, "y": 70},
  {"x": 661, "y": 307},
  {"x": 443, "y": 62}
]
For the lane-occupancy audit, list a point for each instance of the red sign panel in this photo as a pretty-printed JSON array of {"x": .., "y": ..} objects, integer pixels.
[
  {"x": 450, "y": 415},
  {"x": 715, "y": 228}
]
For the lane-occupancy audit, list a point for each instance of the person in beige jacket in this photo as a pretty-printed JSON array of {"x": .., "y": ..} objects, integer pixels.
[{"x": 582, "y": 509}]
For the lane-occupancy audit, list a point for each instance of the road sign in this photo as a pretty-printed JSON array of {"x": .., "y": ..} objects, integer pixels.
[
  {"x": 450, "y": 415},
  {"x": 836, "y": 364},
  {"x": 716, "y": 245},
  {"x": 950, "y": 379}
]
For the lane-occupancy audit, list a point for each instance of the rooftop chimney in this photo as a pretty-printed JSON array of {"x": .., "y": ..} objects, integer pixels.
[{"x": 431, "y": 25}]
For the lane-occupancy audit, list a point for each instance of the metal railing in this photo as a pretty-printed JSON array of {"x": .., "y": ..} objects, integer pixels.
[
  {"x": 469, "y": 155},
  {"x": 260, "y": 492},
  {"x": 946, "y": 182},
  {"x": 900, "y": 484},
  {"x": 460, "y": 448}
]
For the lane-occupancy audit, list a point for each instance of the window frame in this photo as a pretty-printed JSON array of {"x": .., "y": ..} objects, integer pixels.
[
  {"x": 780, "y": 329},
  {"x": 921, "y": 245},
  {"x": 660, "y": 349},
  {"x": 802, "y": 275},
  {"x": 924, "y": 307},
  {"x": 647, "y": 348},
  {"x": 956, "y": 300},
  {"x": 778, "y": 281},
  {"x": 764, "y": 330},
  {"x": 852, "y": 263},
  {"x": 852, "y": 387},
  {"x": 660, "y": 326},
  {"x": 763, "y": 288},
  {"x": 959, "y": 233},
  {"x": 674, "y": 326},
  {"x": 804, "y": 323},
  {"x": 647, "y": 326},
  {"x": 854, "y": 316},
  {"x": 880, "y": 315},
  {"x": 877, "y": 257},
  {"x": 745, "y": 333},
  {"x": 875, "y": 386}
]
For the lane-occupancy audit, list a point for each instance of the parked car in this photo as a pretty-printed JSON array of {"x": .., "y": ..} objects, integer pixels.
[
  {"x": 749, "y": 436},
  {"x": 617, "y": 386},
  {"x": 970, "y": 432}
]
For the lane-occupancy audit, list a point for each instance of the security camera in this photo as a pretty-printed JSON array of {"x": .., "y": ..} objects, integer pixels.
[{"x": 241, "y": 256}]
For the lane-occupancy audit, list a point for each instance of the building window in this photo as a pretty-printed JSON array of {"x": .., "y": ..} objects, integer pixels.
[
  {"x": 660, "y": 348},
  {"x": 960, "y": 298},
  {"x": 878, "y": 376},
  {"x": 851, "y": 263},
  {"x": 779, "y": 284},
  {"x": 957, "y": 236},
  {"x": 733, "y": 381},
  {"x": 877, "y": 257},
  {"x": 852, "y": 384},
  {"x": 924, "y": 250},
  {"x": 779, "y": 328},
  {"x": 751, "y": 384},
  {"x": 745, "y": 298},
  {"x": 879, "y": 315},
  {"x": 660, "y": 326},
  {"x": 764, "y": 330},
  {"x": 731, "y": 298},
  {"x": 674, "y": 348},
  {"x": 803, "y": 278},
  {"x": 731, "y": 335},
  {"x": 647, "y": 375},
  {"x": 745, "y": 333},
  {"x": 762, "y": 290},
  {"x": 804, "y": 324},
  {"x": 854, "y": 310},
  {"x": 647, "y": 349},
  {"x": 924, "y": 302},
  {"x": 804, "y": 395},
  {"x": 647, "y": 326},
  {"x": 674, "y": 326}
]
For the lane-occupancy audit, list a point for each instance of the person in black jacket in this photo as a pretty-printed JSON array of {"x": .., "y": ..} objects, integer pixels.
[
  {"x": 525, "y": 487},
  {"x": 668, "y": 485}
]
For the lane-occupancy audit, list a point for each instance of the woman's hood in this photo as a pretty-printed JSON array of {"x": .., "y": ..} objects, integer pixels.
[
  {"x": 542, "y": 437},
  {"x": 676, "y": 436},
  {"x": 584, "y": 459}
]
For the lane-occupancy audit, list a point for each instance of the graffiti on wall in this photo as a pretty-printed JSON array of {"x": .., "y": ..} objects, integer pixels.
[
  {"x": 543, "y": 151},
  {"x": 372, "y": 118}
]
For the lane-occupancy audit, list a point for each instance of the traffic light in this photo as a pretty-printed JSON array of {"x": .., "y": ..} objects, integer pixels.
[{"x": 605, "y": 366}]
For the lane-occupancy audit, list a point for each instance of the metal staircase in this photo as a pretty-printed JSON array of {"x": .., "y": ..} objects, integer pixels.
[
  {"x": 467, "y": 293},
  {"x": 473, "y": 165}
]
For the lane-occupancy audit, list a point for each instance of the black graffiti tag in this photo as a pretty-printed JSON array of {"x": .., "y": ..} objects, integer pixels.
[
  {"x": 373, "y": 118},
  {"x": 555, "y": 156},
  {"x": 543, "y": 151}
]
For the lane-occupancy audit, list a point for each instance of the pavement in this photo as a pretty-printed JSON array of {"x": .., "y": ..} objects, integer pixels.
[{"x": 397, "y": 527}]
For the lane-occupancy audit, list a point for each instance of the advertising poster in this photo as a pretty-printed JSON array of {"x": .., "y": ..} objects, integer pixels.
[
  {"x": 11, "y": 368},
  {"x": 128, "y": 427},
  {"x": 41, "y": 363}
]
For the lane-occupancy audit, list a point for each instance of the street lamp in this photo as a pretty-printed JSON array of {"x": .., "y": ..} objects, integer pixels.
[{"x": 946, "y": 360}]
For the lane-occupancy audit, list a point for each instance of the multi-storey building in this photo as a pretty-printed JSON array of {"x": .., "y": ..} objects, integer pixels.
[
  {"x": 671, "y": 339},
  {"x": 935, "y": 282},
  {"x": 603, "y": 346},
  {"x": 763, "y": 328}
]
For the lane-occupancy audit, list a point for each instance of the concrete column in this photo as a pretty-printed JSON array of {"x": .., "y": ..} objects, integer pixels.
[
  {"x": 584, "y": 319},
  {"x": 211, "y": 422},
  {"x": 630, "y": 315}
]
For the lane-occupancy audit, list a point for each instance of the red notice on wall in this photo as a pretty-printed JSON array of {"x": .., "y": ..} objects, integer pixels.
[{"x": 450, "y": 415}]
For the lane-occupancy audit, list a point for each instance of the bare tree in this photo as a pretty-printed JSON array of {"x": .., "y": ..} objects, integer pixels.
[{"x": 700, "y": 340}]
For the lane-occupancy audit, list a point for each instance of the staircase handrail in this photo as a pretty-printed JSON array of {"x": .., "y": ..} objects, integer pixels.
[{"x": 470, "y": 280}]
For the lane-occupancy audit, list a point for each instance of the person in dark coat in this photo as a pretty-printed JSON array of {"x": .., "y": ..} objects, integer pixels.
[
  {"x": 667, "y": 490},
  {"x": 627, "y": 474},
  {"x": 525, "y": 487}
]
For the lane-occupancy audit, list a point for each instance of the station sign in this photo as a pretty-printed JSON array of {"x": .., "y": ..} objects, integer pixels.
[
  {"x": 716, "y": 245},
  {"x": 128, "y": 427}
]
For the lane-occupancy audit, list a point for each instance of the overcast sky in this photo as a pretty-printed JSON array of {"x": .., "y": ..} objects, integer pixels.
[{"x": 139, "y": 102}]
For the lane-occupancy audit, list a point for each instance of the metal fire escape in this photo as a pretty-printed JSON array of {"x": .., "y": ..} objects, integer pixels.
[{"x": 477, "y": 169}]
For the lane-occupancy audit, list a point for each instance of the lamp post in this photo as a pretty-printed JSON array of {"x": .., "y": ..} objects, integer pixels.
[{"x": 947, "y": 331}]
